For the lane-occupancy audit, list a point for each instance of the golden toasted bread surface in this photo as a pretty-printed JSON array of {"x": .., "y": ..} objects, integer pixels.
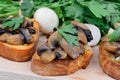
[
  {"x": 20, "y": 52},
  {"x": 109, "y": 66},
  {"x": 60, "y": 67}
]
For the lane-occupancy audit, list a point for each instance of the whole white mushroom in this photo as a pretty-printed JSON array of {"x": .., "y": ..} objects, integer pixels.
[
  {"x": 47, "y": 19},
  {"x": 95, "y": 33}
]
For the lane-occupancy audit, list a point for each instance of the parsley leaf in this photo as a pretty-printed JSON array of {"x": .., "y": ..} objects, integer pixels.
[
  {"x": 96, "y": 8},
  {"x": 27, "y": 8},
  {"x": 115, "y": 35},
  {"x": 13, "y": 23},
  {"x": 69, "y": 33},
  {"x": 74, "y": 11}
]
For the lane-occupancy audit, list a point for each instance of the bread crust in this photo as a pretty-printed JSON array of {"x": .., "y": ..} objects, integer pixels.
[
  {"x": 109, "y": 66},
  {"x": 60, "y": 67},
  {"x": 20, "y": 53}
]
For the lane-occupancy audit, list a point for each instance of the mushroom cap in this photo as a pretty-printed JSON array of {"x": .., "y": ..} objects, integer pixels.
[
  {"x": 95, "y": 33},
  {"x": 53, "y": 40},
  {"x": 47, "y": 19}
]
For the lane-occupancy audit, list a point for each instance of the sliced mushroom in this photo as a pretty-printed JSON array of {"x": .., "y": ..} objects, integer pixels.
[
  {"x": 60, "y": 54},
  {"x": 46, "y": 55},
  {"x": 4, "y": 37},
  {"x": 72, "y": 51},
  {"x": 27, "y": 37},
  {"x": 42, "y": 40},
  {"x": 53, "y": 40},
  {"x": 27, "y": 23},
  {"x": 112, "y": 47},
  {"x": 24, "y": 23},
  {"x": 86, "y": 30},
  {"x": 17, "y": 39},
  {"x": 82, "y": 37},
  {"x": 79, "y": 25}
]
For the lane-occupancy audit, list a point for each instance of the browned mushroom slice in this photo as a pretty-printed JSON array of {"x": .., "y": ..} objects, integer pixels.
[
  {"x": 60, "y": 54},
  {"x": 27, "y": 36},
  {"x": 53, "y": 40},
  {"x": 46, "y": 55},
  {"x": 82, "y": 37},
  {"x": 24, "y": 23},
  {"x": 17, "y": 39},
  {"x": 112, "y": 47},
  {"x": 80, "y": 25},
  {"x": 86, "y": 30},
  {"x": 4, "y": 37},
  {"x": 72, "y": 51},
  {"x": 27, "y": 23}
]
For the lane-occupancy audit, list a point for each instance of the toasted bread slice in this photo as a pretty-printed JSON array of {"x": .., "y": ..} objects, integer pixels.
[
  {"x": 61, "y": 67},
  {"x": 109, "y": 65},
  {"x": 20, "y": 52}
]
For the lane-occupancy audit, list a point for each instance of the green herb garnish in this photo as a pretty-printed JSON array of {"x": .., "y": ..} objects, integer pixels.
[
  {"x": 13, "y": 23},
  {"x": 70, "y": 35},
  {"x": 115, "y": 35},
  {"x": 102, "y": 13},
  {"x": 27, "y": 8},
  {"x": 96, "y": 8},
  {"x": 8, "y": 8}
]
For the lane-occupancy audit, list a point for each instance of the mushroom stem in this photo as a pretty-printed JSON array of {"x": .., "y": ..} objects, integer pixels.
[
  {"x": 72, "y": 51},
  {"x": 81, "y": 26}
]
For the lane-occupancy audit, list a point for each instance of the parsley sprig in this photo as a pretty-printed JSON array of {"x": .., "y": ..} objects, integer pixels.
[
  {"x": 27, "y": 8},
  {"x": 13, "y": 23},
  {"x": 115, "y": 35},
  {"x": 100, "y": 13},
  {"x": 70, "y": 34}
]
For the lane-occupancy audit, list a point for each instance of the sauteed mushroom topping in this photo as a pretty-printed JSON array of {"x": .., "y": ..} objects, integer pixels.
[
  {"x": 53, "y": 40},
  {"x": 82, "y": 37},
  {"x": 46, "y": 55},
  {"x": 27, "y": 37},
  {"x": 72, "y": 51},
  {"x": 81, "y": 26},
  {"x": 4, "y": 37},
  {"x": 43, "y": 48},
  {"x": 27, "y": 23},
  {"x": 19, "y": 36},
  {"x": 16, "y": 39},
  {"x": 57, "y": 47},
  {"x": 60, "y": 54},
  {"x": 113, "y": 48}
]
